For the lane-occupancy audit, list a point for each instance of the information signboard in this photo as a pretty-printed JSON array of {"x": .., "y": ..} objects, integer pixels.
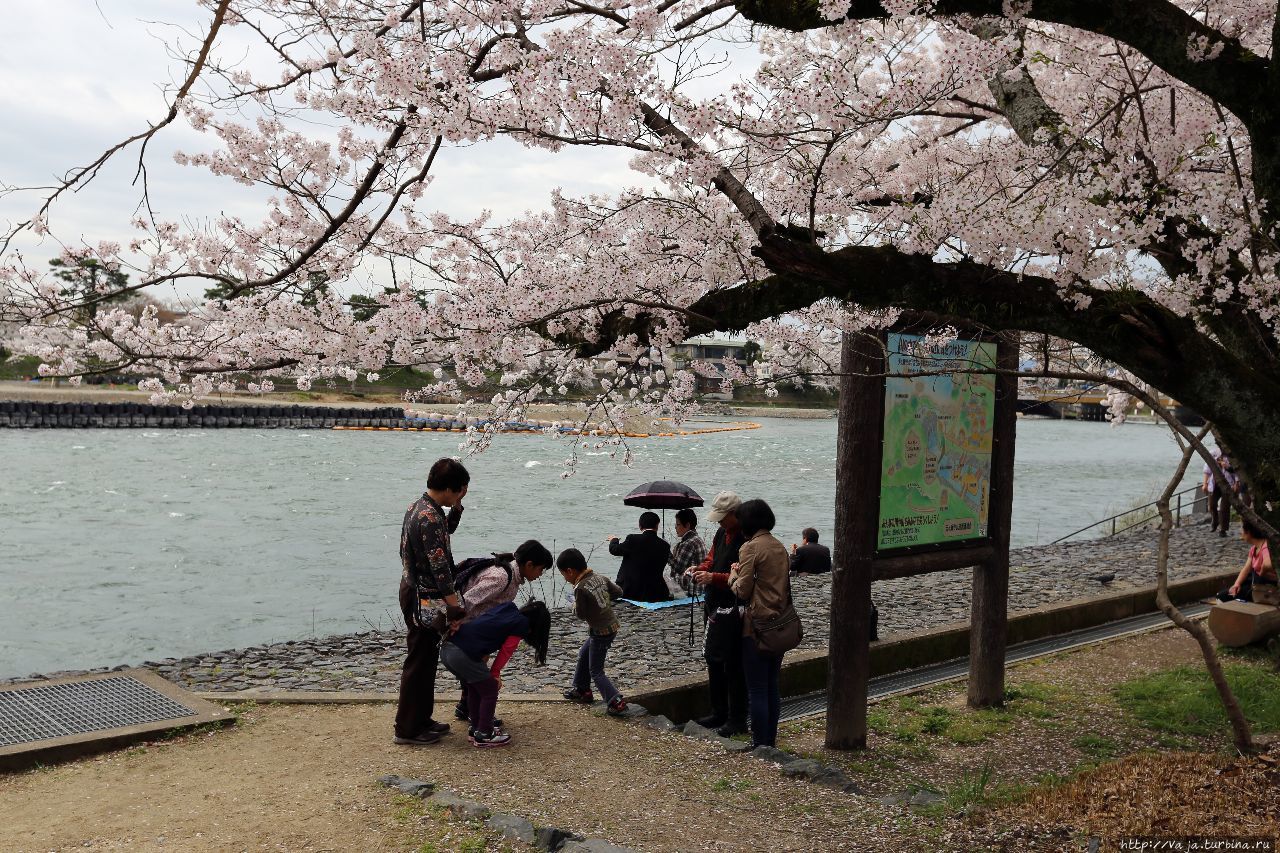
[{"x": 935, "y": 483}]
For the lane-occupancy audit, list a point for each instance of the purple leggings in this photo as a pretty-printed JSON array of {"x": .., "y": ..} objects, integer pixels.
[{"x": 482, "y": 700}]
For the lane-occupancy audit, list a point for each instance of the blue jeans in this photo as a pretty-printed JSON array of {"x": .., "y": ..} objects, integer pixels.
[
  {"x": 591, "y": 666},
  {"x": 763, "y": 698}
]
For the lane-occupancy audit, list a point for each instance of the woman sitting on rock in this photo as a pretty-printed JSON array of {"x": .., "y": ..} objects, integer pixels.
[{"x": 1258, "y": 569}]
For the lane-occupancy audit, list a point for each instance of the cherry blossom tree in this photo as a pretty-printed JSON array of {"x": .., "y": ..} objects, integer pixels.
[{"x": 1102, "y": 171}]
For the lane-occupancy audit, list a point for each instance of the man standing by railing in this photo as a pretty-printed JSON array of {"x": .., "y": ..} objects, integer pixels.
[{"x": 1219, "y": 499}]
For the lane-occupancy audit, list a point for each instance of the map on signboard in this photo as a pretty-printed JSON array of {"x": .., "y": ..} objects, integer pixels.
[{"x": 935, "y": 480}]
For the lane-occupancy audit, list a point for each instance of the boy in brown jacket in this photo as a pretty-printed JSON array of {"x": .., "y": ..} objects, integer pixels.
[{"x": 593, "y": 597}]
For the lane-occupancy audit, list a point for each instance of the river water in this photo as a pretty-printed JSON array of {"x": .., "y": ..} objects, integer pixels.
[{"x": 124, "y": 545}]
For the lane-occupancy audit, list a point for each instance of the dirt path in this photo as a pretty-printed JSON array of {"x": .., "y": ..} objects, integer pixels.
[{"x": 303, "y": 778}]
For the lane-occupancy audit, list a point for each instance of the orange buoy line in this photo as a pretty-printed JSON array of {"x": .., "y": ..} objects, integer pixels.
[{"x": 733, "y": 426}]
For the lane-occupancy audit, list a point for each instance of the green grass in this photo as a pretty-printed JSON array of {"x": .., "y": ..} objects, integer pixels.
[
  {"x": 724, "y": 783},
  {"x": 407, "y": 808},
  {"x": 974, "y": 789},
  {"x": 1036, "y": 700},
  {"x": 1268, "y": 654},
  {"x": 907, "y": 721},
  {"x": 936, "y": 721},
  {"x": 1097, "y": 747},
  {"x": 978, "y": 726},
  {"x": 473, "y": 844},
  {"x": 1182, "y": 702}
]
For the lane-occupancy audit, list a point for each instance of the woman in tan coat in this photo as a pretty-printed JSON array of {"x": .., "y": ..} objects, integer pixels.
[{"x": 760, "y": 579}]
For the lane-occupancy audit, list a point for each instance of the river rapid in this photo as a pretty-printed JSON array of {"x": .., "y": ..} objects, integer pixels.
[{"x": 124, "y": 545}]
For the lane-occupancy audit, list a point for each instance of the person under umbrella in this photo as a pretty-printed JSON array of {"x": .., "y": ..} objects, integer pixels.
[{"x": 644, "y": 557}]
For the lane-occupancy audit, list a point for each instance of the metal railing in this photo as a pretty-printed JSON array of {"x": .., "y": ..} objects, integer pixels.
[{"x": 1176, "y": 506}]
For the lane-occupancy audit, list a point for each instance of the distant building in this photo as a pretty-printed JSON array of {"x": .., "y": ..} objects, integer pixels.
[{"x": 716, "y": 353}]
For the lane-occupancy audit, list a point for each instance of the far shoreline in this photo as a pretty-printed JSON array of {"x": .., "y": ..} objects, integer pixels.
[{"x": 568, "y": 410}]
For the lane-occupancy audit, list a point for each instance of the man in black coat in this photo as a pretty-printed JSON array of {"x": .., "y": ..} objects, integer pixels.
[
  {"x": 644, "y": 557},
  {"x": 810, "y": 558}
]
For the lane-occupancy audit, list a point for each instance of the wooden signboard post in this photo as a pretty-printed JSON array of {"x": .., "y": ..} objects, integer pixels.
[{"x": 924, "y": 484}]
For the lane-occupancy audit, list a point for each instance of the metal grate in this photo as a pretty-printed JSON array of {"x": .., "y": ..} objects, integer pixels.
[
  {"x": 58, "y": 710},
  {"x": 795, "y": 707}
]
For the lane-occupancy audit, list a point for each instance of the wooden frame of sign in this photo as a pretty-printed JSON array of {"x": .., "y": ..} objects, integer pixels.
[{"x": 864, "y": 554}]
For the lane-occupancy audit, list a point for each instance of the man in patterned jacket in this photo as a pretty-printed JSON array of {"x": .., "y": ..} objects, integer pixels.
[{"x": 426, "y": 588}]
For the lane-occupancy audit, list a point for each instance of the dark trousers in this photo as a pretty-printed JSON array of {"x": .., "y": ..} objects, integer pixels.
[
  {"x": 590, "y": 667},
  {"x": 1246, "y": 589},
  {"x": 461, "y": 709},
  {"x": 761, "y": 670},
  {"x": 482, "y": 701},
  {"x": 418, "y": 677},
  {"x": 1219, "y": 510},
  {"x": 479, "y": 687},
  {"x": 725, "y": 681}
]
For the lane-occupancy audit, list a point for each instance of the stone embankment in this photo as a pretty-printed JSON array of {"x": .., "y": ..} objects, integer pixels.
[
  {"x": 46, "y": 414},
  {"x": 655, "y": 645},
  {"x": 41, "y": 414}
]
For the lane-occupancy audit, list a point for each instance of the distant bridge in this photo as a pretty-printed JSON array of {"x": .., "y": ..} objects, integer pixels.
[{"x": 1086, "y": 404}]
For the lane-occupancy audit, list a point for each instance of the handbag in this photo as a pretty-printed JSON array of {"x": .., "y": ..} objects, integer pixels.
[
  {"x": 780, "y": 634},
  {"x": 674, "y": 587}
]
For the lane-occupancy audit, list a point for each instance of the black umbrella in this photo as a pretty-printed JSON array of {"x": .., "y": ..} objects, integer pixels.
[{"x": 663, "y": 494}]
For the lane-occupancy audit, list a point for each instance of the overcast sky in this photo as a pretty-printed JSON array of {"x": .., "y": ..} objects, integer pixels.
[{"x": 78, "y": 76}]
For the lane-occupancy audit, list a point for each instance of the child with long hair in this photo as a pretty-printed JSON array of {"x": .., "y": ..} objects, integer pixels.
[{"x": 497, "y": 632}]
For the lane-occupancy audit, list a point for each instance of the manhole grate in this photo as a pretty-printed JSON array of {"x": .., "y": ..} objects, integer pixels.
[{"x": 30, "y": 714}]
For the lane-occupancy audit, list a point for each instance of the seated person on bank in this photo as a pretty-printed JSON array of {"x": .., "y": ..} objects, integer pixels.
[
  {"x": 1258, "y": 568},
  {"x": 810, "y": 558},
  {"x": 644, "y": 557}
]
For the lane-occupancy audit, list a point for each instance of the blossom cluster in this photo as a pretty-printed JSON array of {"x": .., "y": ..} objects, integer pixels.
[{"x": 1021, "y": 146}]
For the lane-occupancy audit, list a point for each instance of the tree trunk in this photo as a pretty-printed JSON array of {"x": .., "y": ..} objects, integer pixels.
[
  {"x": 1243, "y": 734},
  {"x": 857, "y": 454}
]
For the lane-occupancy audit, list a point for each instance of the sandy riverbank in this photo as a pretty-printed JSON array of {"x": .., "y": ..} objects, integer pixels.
[
  {"x": 46, "y": 391},
  {"x": 566, "y": 412}
]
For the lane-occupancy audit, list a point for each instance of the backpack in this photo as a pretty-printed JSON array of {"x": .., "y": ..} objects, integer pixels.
[{"x": 472, "y": 566}]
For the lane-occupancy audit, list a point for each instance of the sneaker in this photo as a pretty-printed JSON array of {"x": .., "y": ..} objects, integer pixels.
[
  {"x": 617, "y": 707},
  {"x": 712, "y": 722},
  {"x": 497, "y": 729},
  {"x": 488, "y": 740},
  {"x": 424, "y": 739},
  {"x": 437, "y": 728},
  {"x": 582, "y": 697},
  {"x": 731, "y": 729},
  {"x": 460, "y": 713}
]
